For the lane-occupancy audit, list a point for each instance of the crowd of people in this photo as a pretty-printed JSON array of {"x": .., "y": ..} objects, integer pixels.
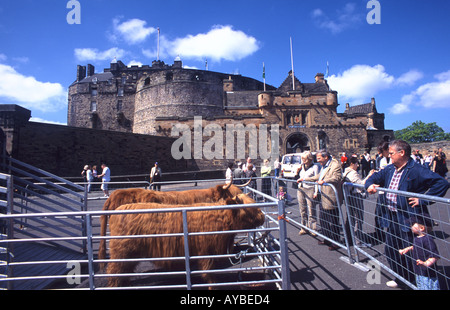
[
  {"x": 436, "y": 162},
  {"x": 397, "y": 219}
]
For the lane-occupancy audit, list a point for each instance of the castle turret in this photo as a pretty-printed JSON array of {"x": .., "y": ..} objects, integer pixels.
[
  {"x": 177, "y": 63},
  {"x": 81, "y": 73},
  {"x": 265, "y": 99},
  {"x": 228, "y": 84},
  {"x": 90, "y": 70},
  {"x": 320, "y": 78}
]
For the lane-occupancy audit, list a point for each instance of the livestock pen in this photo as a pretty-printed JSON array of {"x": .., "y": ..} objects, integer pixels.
[
  {"x": 67, "y": 258},
  {"x": 259, "y": 259}
]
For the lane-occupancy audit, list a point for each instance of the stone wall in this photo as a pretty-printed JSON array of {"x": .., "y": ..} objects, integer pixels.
[
  {"x": 64, "y": 150},
  {"x": 430, "y": 147}
]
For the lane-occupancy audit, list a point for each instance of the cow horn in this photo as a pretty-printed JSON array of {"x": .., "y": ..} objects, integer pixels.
[
  {"x": 244, "y": 185},
  {"x": 227, "y": 186}
]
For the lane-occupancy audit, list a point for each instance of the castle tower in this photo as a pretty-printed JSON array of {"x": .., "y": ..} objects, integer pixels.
[{"x": 176, "y": 92}]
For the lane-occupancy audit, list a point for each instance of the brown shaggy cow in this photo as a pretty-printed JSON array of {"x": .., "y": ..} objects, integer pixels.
[
  {"x": 135, "y": 195},
  {"x": 171, "y": 222}
]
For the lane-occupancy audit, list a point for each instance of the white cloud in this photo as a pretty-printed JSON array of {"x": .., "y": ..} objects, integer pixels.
[
  {"x": 343, "y": 18},
  {"x": 403, "y": 106},
  {"x": 361, "y": 82},
  {"x": 317, "y": 13},
  {"x": 220, "y": 43},
  {"x": 430, "y": 95},
  {"x": 151, "y": 53},
  {"x": 27, "y": 91},
  {"x": 93, "y": 54},
  {"x": 435, "y": 95},
  {"x": 133, "y": 31},
  {"x": 409, "y": 78},
  {"x": 41, "y": 120},
  {"x": 135, "y": 63}
]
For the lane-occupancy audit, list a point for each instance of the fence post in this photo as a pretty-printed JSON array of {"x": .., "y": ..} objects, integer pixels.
[
  {"x": 285, "y": 272},
  {"x": 186, "y": 250},
  {"x": 84, "y": 207},
  {"x": 10, "y": 229},
  {"x": 345, "y": 193},
  {"x": 90, "y": 251}
]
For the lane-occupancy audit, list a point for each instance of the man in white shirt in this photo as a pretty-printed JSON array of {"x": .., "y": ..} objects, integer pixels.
[{"x": 106, "y": 177}]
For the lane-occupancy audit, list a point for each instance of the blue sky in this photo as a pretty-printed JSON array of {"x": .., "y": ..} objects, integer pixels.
[{"x": 403, "y": 62}]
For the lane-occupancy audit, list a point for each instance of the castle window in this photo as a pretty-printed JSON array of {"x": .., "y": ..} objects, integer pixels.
[
  {"x": 147, "y": 81},
  {"x": 323, "y": 140},
  {"x": 94, "y": 92},
  {"x": 119, "y": 105},
  {"x": 169, "y": 76},
  {"x": 304, "y": 115},
  {"x": 93, "y": 106},
  {"x": 120, "y": 92}
]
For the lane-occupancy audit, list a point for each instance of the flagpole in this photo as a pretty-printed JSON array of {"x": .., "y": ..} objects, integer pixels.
[
  {"x": 157, "y": 49},
  {"x": 264, "y": 76},
  {"x": 292, "y": 63}
]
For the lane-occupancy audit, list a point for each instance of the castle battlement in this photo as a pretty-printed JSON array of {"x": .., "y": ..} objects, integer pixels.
[{"x": 151, "y": 99}]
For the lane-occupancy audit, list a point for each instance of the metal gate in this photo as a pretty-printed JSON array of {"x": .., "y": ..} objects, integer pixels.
[
  {"x": 30, "y": 190},
  {"x": 267, "y": 244}
]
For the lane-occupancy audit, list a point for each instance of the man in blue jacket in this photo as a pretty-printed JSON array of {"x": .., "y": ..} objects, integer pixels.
[{"x": 403, "y": 174}]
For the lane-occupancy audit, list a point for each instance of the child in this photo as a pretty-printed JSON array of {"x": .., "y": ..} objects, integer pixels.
[
  {"x": 281, "y": 195},
  {"x": 425, "y": 254}
]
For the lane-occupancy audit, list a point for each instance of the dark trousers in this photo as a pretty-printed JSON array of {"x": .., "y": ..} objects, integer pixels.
[
  {"x": 397, "y": 239},
  {"x": 329, "y": 222}
]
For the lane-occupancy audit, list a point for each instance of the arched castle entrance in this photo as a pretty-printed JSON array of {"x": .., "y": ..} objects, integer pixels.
[{"x": 297, "y": 143}]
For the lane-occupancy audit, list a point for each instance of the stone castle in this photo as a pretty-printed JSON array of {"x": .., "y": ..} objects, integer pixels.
[{"x": 151, "y": 99}]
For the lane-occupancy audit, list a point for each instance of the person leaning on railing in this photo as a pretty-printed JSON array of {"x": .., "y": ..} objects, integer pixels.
[
  {"x": 330, "y": 173},
  {"x": 403, "y": 174}
]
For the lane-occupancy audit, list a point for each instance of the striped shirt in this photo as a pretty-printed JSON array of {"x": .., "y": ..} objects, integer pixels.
[{"x": 391, "y": 198}]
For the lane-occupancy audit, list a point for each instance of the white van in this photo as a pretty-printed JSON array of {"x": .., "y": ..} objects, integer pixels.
[{"x": 290, "y": 163}]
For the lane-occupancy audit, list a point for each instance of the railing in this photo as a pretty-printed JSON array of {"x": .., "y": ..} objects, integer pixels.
[
  {"x": 327, "y": 224},
  {"x": 261, "y": 243},
  {"x": 6, "y": 192},
  {"x": 381, "y": 238},
  {"x": 37, "y": 191}
]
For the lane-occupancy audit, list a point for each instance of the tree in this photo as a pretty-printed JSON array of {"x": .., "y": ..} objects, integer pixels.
[{"x": 420, "y": 132}]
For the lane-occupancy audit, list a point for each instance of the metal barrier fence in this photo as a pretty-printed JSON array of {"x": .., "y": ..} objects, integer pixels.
[
  {"x": 314, "y": 218},
  {"x": 266, "y": 243},
  {"x": 6, "y": 192},
  {"x": 381, "y": 238},
  {"x": 36, "y": 191}
]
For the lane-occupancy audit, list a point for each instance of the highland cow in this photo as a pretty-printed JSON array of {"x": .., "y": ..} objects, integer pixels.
[
  {"x": 172, "y": 222},
  {"x": 136, "y": 195}
]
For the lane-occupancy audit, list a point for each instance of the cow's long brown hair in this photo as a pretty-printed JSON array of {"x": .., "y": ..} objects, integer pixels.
[{"x": 138, "y": 195}]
